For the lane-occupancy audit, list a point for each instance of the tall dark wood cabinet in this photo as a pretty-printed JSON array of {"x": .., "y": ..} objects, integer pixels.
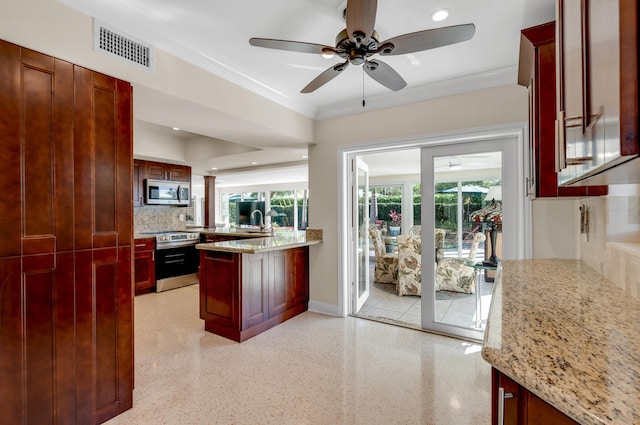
[{"x": 66, "y": 312}]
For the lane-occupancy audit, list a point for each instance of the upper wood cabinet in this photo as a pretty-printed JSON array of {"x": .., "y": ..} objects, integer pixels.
[
  {"x": 158, "y": 171},
  {"x": 597, "y": 103},
  {"x": 537, "y": 72},
  {"x": 162, "y": 171}
]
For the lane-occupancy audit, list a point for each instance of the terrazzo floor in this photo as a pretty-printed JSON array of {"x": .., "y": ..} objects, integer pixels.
[
  {"x": 312, "y": 369},
  {"x": 451, "y": 307}
]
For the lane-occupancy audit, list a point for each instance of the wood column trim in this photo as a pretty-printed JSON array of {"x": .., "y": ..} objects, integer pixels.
[{"x": 209, "y": 201}]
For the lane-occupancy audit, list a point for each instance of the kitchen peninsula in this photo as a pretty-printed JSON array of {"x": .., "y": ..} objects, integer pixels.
[
  {"x": 561, "y": 338},
  {"x": 248, "y": 286}
]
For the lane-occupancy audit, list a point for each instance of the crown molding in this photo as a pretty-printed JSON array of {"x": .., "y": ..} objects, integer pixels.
[{"x": 479, "y": 81}]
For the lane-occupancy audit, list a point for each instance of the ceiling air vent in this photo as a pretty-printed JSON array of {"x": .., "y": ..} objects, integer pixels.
[{"x": 108, "y": 40}]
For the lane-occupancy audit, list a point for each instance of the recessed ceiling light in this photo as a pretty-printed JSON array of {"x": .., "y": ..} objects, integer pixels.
[
  {"x": 305, "y": 156},
  {"x": 440, "y": 15},
  {"x": 254, "y": 163},
  {"x": 176, "y": 128},
  {"x": 214, "y": 168}
]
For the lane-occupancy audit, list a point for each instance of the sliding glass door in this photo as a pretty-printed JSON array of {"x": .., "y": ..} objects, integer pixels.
[{"x": 457, "y": 181}]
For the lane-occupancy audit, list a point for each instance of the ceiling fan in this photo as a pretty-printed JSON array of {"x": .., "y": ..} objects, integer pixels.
[{"x": 359, "y": 41}]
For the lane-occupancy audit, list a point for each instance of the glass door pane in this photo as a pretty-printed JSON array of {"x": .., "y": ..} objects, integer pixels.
[
  {"x": 456, "y": 288},
  {"x": 361, "y": 235}
]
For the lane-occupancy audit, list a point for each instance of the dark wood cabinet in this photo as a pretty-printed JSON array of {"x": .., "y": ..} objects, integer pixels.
[
  {"x": 242, "y": 295},
  {"x": 66, "y": 320},
  {"x": 158, "y": 171},
  {"x": 163, "y": 171},
  {"x": 144, "y": 265},
  {"x": 597, "y": 107},
  {"x": 513, "y": 404},
  {"x": 537, "y": 71},
  {"x": 138, "y": 184}
]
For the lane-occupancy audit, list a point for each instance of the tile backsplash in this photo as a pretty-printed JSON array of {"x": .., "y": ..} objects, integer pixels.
[
  {"x": 158, "y": 218},
  {"x": 612, "y": 244}
]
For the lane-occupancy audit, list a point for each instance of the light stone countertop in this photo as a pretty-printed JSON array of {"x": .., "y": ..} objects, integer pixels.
[
  {"x": 234, "y": 231},
  {"x": 279, "y": 240},
  {"x": 568, "y": 335}
]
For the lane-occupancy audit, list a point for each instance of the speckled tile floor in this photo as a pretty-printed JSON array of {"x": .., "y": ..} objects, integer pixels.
[{"x": 312, "y": 369}]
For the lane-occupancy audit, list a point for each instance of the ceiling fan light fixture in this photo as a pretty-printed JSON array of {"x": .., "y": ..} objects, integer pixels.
[
  {"x": 328, "y": 53},
  {"x": 440, "y": 15}
]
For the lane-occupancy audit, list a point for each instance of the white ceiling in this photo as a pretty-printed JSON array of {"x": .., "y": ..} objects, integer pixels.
[{"x": 215, "y": 34}]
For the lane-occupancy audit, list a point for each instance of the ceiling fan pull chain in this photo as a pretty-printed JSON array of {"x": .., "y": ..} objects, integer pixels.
[{"x": 363, "y": 102}]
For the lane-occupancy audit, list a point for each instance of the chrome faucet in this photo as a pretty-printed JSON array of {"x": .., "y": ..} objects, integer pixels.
[{"x": 261, "y": 217}]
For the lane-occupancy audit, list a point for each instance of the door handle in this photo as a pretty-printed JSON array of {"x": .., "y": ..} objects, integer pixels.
[{"x": 502, "y": 396}]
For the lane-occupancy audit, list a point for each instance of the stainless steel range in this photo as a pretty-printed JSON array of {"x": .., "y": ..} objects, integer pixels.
[{"x": 177, "y": 259}]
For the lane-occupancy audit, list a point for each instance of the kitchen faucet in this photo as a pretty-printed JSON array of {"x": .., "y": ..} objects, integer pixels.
[{"x": 261, "y": 217}]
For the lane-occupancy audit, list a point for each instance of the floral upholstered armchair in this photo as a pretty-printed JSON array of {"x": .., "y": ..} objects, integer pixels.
[
  {"x": 386, "y": 268},
  {"x": 410, "y": 260},
  {"x": 453, "y": 275},
  {"x": 409, "y": 265}
]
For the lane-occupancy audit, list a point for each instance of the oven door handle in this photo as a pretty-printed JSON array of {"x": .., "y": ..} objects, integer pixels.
[{"x": 179, "y": 244}]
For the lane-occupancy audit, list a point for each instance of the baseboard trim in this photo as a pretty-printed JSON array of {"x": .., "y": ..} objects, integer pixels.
[{"x": 324, "y": 308}]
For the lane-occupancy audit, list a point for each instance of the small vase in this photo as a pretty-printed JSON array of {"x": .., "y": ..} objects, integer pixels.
[{"x": 394, "y": 230}]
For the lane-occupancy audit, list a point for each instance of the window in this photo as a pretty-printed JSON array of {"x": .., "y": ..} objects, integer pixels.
[{"x": 385, "y": 201}]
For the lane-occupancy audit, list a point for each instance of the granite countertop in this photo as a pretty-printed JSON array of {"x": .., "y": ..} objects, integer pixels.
[
  {"x": 279, "y": 240},
  {"x": 142, "y": 236},
  {"x": 568, "y": 335},
  {"x": 233, "y": 231}
]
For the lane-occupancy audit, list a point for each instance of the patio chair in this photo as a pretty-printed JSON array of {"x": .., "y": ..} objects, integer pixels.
[
  {"x": 386, "y": 268},
  {"x": 453, "y": 275}
]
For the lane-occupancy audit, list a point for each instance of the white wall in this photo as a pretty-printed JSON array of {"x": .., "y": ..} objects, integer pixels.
[
  {"x": 489, "y": 107},
  {"x": 50, "y": 27},
  {"x": 555, "y": 227}
]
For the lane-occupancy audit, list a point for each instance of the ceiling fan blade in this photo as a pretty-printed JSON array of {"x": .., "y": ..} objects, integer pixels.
[
  {"x": 361, "y": 19},
  {"x": 325, "y": 77},
  {"x": 384, "y": 74},
  {"x": 427, "y": 39},
  {"x": 293, "y": 46}
]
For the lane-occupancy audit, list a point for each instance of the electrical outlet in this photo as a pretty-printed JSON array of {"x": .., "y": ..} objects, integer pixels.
[{"x": 181, "y": 217}]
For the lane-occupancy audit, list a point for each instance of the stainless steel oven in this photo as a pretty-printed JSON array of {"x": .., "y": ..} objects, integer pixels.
[{"x": 177, "y": 260}]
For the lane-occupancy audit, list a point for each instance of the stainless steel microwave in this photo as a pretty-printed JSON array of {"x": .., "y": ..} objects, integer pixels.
[{"x": 166, "y": 192}]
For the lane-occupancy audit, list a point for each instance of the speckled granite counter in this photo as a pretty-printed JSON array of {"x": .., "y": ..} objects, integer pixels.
[
  {"x": 279, "y": 240},
  {"x": 228, "y": 231},
  {"x": 568, "y": 335}
]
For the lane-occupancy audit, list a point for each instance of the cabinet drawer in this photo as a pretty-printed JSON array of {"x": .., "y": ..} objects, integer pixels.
[{"x": 146, "y": 244}]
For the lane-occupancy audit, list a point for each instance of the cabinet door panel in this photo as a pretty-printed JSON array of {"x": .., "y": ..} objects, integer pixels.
[
  {"x": 155, "y": 170},
  {"x": 37, "y": 339},
  {"x": 11, "y": 337},
  {"x": 144, "y": 271},
  {"x": 11, "y": 218},
  {"x": 255, "y": 296},
  {"x": 103, "y": 174},
  {"x": 300, "y": 284},
  {"x": 36, "y": 153},
  {"x": 219, "y": 291},
  {"x": 282, "y": 282},
  {"x": 179, "y": 173},
  {"x": 104, "y": 349},
  {"x": 138, "y": 189}
]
